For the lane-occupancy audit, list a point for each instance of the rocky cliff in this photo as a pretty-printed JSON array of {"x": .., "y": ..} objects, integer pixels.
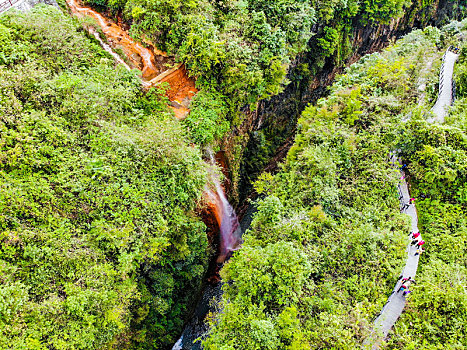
[{"x": 267, "y": 131}]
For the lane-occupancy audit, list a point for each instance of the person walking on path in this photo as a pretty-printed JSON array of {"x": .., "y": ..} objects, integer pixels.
[
  {"x": 410, "y": 279},
  {"x": 414, "y": 234},
  {"x": 405, "y": 293},
  {"x": 408, "y": 204},
  {"x": 406, "y": 282},
  {"x": 420, "y": 243},
  {"x": 419, "y": 251},
  {"x": 417, "y": 240},
  {"x": 403, "y": 288}
]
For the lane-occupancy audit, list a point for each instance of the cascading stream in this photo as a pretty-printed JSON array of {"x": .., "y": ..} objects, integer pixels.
[
  {"x": 230, "y": 239},
  {"x": 153, "y": 63},
  {"x": 107, "y": 48},
  {"x": 129, "y": 46},
  {"x": 182, "y": 88},
  {"x": 230, "y": 232}
]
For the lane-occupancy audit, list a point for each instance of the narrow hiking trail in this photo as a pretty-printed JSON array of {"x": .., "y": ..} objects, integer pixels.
[
  {"x": 396, "y": 301},
  {"x": 395, "y": 304}
]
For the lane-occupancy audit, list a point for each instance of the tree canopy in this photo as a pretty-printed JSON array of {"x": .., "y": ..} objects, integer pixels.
[
  {"x": 99, "y": 242},
  {"x": 328, "y": 243}
]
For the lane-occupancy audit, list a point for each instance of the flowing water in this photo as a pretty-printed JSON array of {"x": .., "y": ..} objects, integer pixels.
[
  {"x": 155, "y": 65},
  {"x": 152, "y": 64},
  {"x": 107, "y": 48},
  {"x": 139, "y": 56},
  {"x": 230, "y": 231},
  {"x": 230, "y": 239}
]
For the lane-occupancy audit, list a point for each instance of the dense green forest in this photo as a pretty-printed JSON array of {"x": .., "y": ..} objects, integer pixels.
[
  {"x": 100, "y": 246},
  {"x": 245, "y": 51},
  {"x": 240, "y": 50},
  {"x": 327, "y": 243}
]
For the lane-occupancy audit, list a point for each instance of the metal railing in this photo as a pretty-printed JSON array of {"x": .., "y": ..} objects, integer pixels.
[
  {"x": 5, "y": 5},
  {"x": 441, "y": 76},
  {"x": 455, "y": 50}
]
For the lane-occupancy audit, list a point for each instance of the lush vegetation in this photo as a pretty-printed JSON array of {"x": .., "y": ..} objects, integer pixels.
[
  {"x": 328, "y": 242},
  {"x": 342, "y": 29},
  {"x": 437, "y": 314},
  {"x": 237, "y": 47},
  {"x": 245, "y": 51},
  {"x": 240, "y": 50},
  {"x": 100, "y": 246}
]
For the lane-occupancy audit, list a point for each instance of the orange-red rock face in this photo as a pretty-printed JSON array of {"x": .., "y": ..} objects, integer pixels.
[{"x": 154, "y": 64}]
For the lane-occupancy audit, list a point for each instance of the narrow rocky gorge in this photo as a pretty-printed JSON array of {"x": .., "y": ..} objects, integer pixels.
[
  {"x": 268, "y": 130},
  {"x": 258, "y": 141}
]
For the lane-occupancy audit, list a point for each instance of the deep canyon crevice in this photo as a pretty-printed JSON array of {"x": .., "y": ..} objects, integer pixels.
[{"x": 268, "y": 132}]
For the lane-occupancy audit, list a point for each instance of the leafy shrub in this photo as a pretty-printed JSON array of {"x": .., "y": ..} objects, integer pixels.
[{"x": 207, "y": 120}]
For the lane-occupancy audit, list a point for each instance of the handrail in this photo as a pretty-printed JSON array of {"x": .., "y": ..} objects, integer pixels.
[
  {"x": 390, "y": 312},
  {"x": 453, "y": 91},
  {"x": 455, "y": 50},
  {"x": 446, "y": 94},
  {"x": 5, "y": 5}
]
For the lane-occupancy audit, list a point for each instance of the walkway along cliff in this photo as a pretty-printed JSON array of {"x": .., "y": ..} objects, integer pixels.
[
  {"x": 268, "y": 131},
  {"x": 396, "y": 302},
  {"x": 446, "y": 86}
]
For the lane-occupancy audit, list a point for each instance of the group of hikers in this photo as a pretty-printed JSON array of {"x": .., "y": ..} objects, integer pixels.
[
  {"x": 407, "y": 281},
  {"x": 416, "y": 237},
  {"x": 418, "y": 242}
]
